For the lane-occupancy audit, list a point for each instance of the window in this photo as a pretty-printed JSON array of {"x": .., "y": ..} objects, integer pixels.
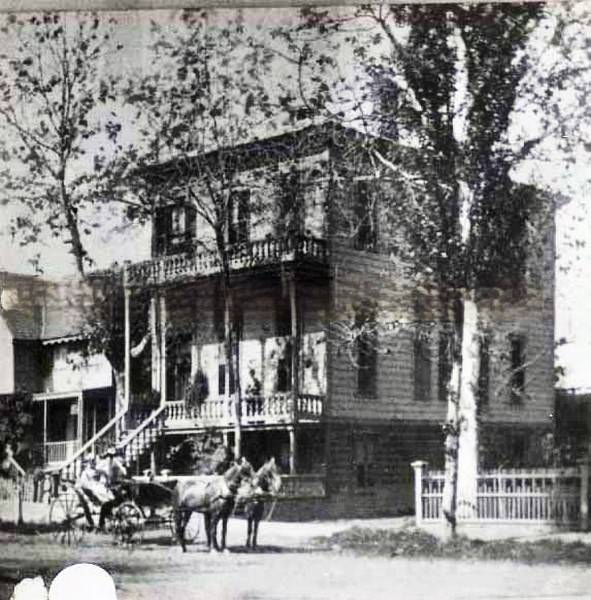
[
  {"x": 444, "y": 364},
  {"x": 289, "y": 219},
  {"x": 284, "y": 370},
  {"x": 364, "y": 460},
  {"x": 176, "y": 227},
  {"x": 365, "y": 217},
  {"x": 367, "y": 354},
  {"x": 282, "y": 315},
  {"x": 178, "y": 368},
  {"x": 517, "y": 344},
  {"x": 239, "y": 217},
  {"x": 222, "y": 370},
  {"x": 484, "y": 371},
  {"x": 422, "y": 368}
]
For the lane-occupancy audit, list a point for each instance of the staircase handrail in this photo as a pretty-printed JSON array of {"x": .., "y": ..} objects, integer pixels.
[
  {"x": 89, "y": 443},
  {"x": 145, "y": 423}
]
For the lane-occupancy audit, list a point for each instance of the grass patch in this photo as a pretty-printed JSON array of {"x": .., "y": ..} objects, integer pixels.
[{"x": 412, "y": 542}]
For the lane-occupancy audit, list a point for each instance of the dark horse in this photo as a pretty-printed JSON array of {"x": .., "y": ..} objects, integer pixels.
[
  {"x": 252, "y": 496},
  {"x": 214, "y": 496}
]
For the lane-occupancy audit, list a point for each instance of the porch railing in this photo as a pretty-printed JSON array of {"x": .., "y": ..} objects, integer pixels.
[
  {"x": 169, "y": 269},
  {"x": 276, "y": 408},
  {"x": 518, "y": 495},
  {"x": 57, "y": 452}
]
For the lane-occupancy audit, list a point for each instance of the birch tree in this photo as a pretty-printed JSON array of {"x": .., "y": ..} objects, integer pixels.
[{"x": 449, "y": 81}]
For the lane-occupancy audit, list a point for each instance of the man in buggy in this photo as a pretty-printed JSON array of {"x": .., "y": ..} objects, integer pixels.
[{"x": 103, "y": 484}]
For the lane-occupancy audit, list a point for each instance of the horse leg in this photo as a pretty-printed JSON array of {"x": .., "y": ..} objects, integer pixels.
[
  {"x": 215, "y": 517},
  {"x": 181, "y": 521},
  {"x": 257, "y": 516},
  {"x": 207, "y": 522},
  {"x": 224, "y": 529},
  {"x": 249, "y": 530}
]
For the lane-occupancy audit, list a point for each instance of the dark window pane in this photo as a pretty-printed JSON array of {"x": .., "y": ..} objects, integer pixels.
[
  {"x": 484, "y": 372},
  {"x": 422, "y": 369},
  {"x": 365, "y": 217},
  {"x": 517, "y": 369},
  {"x": 444, "y": 365}
]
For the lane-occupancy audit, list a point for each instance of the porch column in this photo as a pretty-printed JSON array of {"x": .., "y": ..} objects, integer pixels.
[
  {"x": 162, "y": 348},
  {"x": 127, "y": 383},
  {"x": 80, "y": 435},
  {"x": 44, "y": 431},
  {"x": 154, "y": 344},
  {"x": 293, "y": 448},
  {"x": 295, "y": 345}
]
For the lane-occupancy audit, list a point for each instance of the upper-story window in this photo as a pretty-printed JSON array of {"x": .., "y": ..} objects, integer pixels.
[
  {"x": 444, "y": 366},
  {"x": 289, "y": 218},
  {"x": 484, "y": 371},
  {"x": 367, "y": 353},
  {"x": 366, "y": 217},
  {"x": 422, "y": 367},
  {"x": 517, "y": 376},
  {"x": 239, "y": 216},
  {"x": 176, "y": 228}
]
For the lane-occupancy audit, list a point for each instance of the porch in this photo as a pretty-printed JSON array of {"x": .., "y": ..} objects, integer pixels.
[
  {"x": 275, "y": 409},
  {"x": 66, "y": 420}
]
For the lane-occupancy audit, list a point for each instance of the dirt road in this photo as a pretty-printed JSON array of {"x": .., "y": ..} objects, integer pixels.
[{"x": 287, "y": 568}]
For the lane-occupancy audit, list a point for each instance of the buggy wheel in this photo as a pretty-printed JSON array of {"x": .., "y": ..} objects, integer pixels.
[
  {"x": 128, "y": 523},
  {"x": 192, "y": 527},
  {"x": 67, "y": 517}
]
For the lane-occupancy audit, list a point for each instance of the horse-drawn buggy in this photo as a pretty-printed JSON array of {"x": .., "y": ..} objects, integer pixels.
[
  {"x": 134, "y": 505},
  {"x": 132, "y": 508}
]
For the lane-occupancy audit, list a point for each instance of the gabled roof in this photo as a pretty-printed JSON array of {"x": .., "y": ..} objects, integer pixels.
[{"x": 56, "y": 313}]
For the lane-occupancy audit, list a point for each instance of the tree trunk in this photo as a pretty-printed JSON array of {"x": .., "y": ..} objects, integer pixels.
[
  {"x": 231, "y": 356},
  {"x": 72, "y": 224},
  {"x": 468, "y": 414},
  {"x": 451, "y": 431}
]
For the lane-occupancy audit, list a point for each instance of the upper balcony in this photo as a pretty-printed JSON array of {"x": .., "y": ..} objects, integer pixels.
[{"x": 178, "y": 268}]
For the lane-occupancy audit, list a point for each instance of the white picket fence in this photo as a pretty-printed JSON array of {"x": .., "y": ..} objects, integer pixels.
[{"x": 552, "y": 496}]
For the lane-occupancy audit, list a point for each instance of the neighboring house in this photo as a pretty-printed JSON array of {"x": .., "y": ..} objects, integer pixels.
[{"x": 43, "y": 352}]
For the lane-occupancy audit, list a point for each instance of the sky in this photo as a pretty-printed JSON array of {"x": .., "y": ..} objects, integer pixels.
[{"x": 110, "y": 244}]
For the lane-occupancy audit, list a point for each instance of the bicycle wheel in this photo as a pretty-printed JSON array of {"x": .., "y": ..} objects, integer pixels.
[{"x": 67, "y": 517}]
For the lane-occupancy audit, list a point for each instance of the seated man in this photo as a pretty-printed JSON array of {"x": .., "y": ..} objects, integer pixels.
[
  {"x": 89, "y": 486},
  {"x": 116, "y": 474}
]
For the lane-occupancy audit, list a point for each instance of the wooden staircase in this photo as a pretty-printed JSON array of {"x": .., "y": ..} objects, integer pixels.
[
  {"x": 138, "y": 443},
  {"x": 133, "y": 445}
]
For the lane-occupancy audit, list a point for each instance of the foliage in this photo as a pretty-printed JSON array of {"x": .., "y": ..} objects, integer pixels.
[
  {"x": 16, "y": 421},
  {"x": 411, "y": 542},
  {"x": 54, "y": 95}
]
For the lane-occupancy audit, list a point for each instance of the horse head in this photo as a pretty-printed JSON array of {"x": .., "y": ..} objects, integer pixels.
[
  {"x": 267, "y": 478},
  {"x": 238, "y": 473}
]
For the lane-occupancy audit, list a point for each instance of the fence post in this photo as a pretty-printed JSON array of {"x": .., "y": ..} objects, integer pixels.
[
  {"x": 584, "y": 510},
  {"x": 419, "y": 467}
]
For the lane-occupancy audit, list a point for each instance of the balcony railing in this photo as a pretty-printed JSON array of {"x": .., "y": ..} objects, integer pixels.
[
  {"x": 169, "y": 269},
  {"x": 263, "y": 410}
]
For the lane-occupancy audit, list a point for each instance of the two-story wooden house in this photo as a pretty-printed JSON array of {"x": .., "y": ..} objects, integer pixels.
[
  {"x": 43, "y": 349},
  {"x": 327, "y": 372}
]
